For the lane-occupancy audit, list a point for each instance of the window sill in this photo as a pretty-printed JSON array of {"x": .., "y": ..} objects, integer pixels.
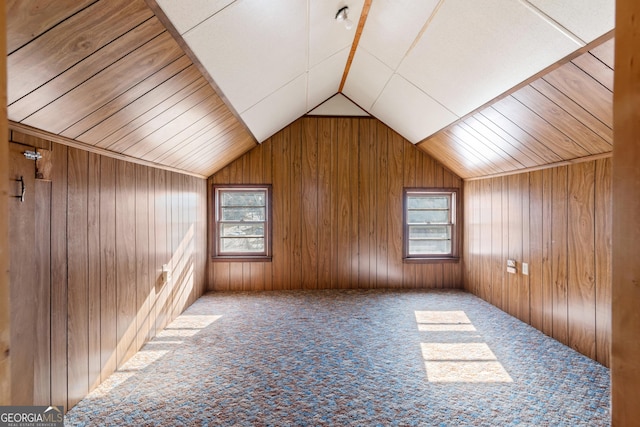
[
  {"x": 431, "y": 260},
  {"x": 241, "y": 259}
]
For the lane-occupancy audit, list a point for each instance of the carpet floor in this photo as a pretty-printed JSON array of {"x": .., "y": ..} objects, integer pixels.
[{"x": 350, "y": 358}]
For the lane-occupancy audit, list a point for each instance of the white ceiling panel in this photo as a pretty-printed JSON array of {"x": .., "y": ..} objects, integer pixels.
[
  {"x": 325, "y": 78},
  {"x": 278, "y": 109},
  {"x": 338, "y": 105},
  {"x": 252, "y": 48},
  {"x": 186, "y": 14},
  {"x": 326, "y": 35},
  {"x": 419, "y": 65},
  {"x": 367, "y": 77},
  {"x": 392, "y": 26},
  {"x": 409, "y": 111},
  {"x": 474, "y": 51},
  {"x": 587, "y": 19}
]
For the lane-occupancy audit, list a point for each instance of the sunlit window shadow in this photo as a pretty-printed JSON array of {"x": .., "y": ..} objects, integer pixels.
[
  {"x": 443, "y": 321},
  {"x": 181, "y": 328},
  {"x": 472, "y": 362}
]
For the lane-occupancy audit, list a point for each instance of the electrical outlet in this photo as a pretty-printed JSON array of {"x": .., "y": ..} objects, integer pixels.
[
  {"x": 525, "y": 268},
  {"x": 511, "y": 266},
  {"x": 166, "y": 273}
]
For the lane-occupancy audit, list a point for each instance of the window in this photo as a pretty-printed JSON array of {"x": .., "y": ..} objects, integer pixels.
[
  {"x": 242, "y": 223},
  {"x": 430, "y": 224}
]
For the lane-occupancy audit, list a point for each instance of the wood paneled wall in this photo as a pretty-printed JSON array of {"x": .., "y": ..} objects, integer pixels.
[
  {"x": 337, "y": 208},
  {"x": 112, "y": 225},
  {"x": 5, "y": 331},
  {"x": 625, "y": 369},
  {"x": 558, "y": 221}
]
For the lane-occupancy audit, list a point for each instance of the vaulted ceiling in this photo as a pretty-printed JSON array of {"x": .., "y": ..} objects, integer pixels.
[{"x": 486, "y": 86}]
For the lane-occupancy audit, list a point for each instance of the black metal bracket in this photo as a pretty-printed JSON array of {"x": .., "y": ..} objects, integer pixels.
[{"x": 22, "y": 190}]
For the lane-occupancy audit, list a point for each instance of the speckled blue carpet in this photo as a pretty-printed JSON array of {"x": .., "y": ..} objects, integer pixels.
[{"x": 350, "y": 358}]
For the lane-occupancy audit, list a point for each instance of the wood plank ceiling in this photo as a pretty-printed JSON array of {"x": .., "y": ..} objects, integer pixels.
[
  {"x": 112, "y": 77},
  {"x": 109, "y": 75},
  {"x": 565, "y": 115}
]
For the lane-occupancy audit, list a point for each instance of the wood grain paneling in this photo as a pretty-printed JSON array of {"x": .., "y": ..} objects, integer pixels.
[
  {"x": 497, "y": 264},
  {"x": 106, "y": 120},
  {"x": 97, "y": 71},
  {"x": 125, "y": 261},
  {"x": 563, "y": 115},
  {"x": 337, "y": 208},
  {"x": 154, "y": 272},
  {"x": 571, "y": 135},
  {"x": 581, "y": 275},
  {"x": 46, "y": 57},
  {"x": 343, "y": 204},
  {"x": 558, "y": 221},
  {"x": 485, "y": 239},
  {"x": 77, "y": 279},
  {"x": 108, "y": 304},
  {"x": 23, "y": 277},
  {"x": 142, "y": 255},
  {"x": 309, "y": 204},
  {"x": 83, "y": 71},
  {"x": 29, "y": 22},
  {"x": 326, "y": 132},
  {"x": 91, "y": 94},
  {"x": 295, "y": 187},
  {"x": 5, "y": 316},
  {"x": 396, "y": 173},
  {"x": 625, "y": 371},
  {"x": 605, "y": 53},
  {"x": 381, "y": 192},
  {"x": 59, "y": 262},
  {"x": 515, "y": 297},
  {"x": 42, "y": 341},
  {"x": 536, "y": 243},
  {"x": 547, "y": 239},
  {"x": 589, "y": 93},
  {"x": 93, "y": 269},
  {"x": 30, "y": 267},
  {"x": 163, "y": 250},
  {"x": 559, "y": 253},
  {"x": 603, "y": 260},
  {"x": 100, "y": 229}
]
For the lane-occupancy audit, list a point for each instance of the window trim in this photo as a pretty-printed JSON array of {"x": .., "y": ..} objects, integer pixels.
[
  {"x": 455, "y": 225},
  {"x": 215, "y": 235}
]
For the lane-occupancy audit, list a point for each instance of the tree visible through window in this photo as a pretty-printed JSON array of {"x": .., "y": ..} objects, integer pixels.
[
  {"x": 242, "y": 222},
  {"x": 430, "y": 223}
]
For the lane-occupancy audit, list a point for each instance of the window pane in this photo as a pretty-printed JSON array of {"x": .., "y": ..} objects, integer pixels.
[
  {"x": 243, "y": 198},
  {"x": 429, "y": 247},
  {"x": 242, "y": 244},
  {"x": 243, "y": 214},
  {"x": 428, "y": 202},
  {"x": 242, "y": 230},
  {"x": 430, "y": 232},
  {"x": 428, "y": 217}
]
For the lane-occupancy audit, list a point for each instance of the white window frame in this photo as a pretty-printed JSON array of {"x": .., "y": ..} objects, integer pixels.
[
  {"x": 218, "y": 253},
  {"x": 452, "y": 222}
]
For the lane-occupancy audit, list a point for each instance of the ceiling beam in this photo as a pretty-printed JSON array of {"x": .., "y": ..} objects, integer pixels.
[{"x": 356, "y": 41}]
